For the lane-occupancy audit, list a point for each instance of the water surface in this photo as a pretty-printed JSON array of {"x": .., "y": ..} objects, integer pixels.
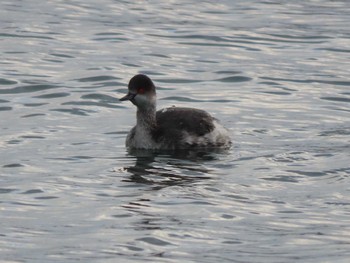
[{"x": 275, "y": 73}]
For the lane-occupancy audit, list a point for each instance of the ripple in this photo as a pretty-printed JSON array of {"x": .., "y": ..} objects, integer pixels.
[
  {"x": 77, "y": 158},
  {"x": 13, "y": 142},
  {"x": 300, "y": 37},
  {"x": 131, "y": 65},
  {"x": 134, "y": 248},
  {"x": 34, "y": 104},
  {"x": 277, "y": 92},
  {"x": 53, "y": 95},
  {"x": 338, "y": 203},
  {"x": 219, "y": 45},
  {"x": 270, "y": 83},
  {"x": 154, "y": 241},
  {"x": 110, "y": 36},
  {"x": 5, "y": 108},
  {"x": 92, "y": 103},
  {"x": 151, "y": 72},
  {"x": 110, "y": 39},
  {"x": 7, "y": 190},
  {"x": 13, "y": 165},
  {"x": 183, "y": 99},
  {"x": 32, "y": 137},
  {"x": 74, "y": 111},
  {"x": 27, "y": 89},
  {"x": 157, "y": 55},
  {"x": 234, "y": 79},
  {"x": 53, "y": 60},
  {"x": 61, "y": 55},
  {"x": 336, "y": 132},
  {"x": 170, "y": 80},
  {"x": 96, "y": 78},
  {"x": 25, "y": 36},
  {"x": 335, "y": 50},
  {"x": 7, "y": 82},
  {"x": 186, "y": 99},
  {"x": 207, "y": 61},
  {"x": 33, "y": 115},
  {"x": 337, "y": 99},
  {"x": 46, "y": 197},
  {"x": 284, "y": 178},
  {"x": 332, "y": 82},
  {"x": 227, "y": 72},
  {"x": 33, "y": 191},
  {"x": 26, "y": 204},
  {"x": 308, "y": 173},
  {"x": 100, "y": 97},
  {"x": 187, "y": 36},
  {"x": 111, "y": 84}
]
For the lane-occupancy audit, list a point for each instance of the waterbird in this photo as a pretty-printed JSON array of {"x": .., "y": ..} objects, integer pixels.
[{"x": 170, "y": 128}]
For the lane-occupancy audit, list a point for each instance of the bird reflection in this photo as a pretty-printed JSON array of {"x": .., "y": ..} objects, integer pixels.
[{"x": 170, "y": 168}]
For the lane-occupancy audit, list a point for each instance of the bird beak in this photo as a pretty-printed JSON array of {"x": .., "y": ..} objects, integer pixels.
[{"x": 128, "y": 96}]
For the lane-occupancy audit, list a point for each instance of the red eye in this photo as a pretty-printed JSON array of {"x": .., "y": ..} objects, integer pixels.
[{"x": 141, "y": 90}]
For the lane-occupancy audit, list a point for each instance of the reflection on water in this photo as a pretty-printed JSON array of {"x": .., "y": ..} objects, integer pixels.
[
  {"x": 171, "y": 167},
  {"x": 275, "y": 73}
]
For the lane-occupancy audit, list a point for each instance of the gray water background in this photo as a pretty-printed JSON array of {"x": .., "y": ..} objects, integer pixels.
[{"x": 276, "y": 73}]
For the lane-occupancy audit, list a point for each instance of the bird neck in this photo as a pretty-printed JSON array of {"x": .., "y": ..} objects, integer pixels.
[{"x": 146, "y": 117}]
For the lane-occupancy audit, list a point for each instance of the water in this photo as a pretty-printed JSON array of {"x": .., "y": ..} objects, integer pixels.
[{"x": 276, "y": 73}]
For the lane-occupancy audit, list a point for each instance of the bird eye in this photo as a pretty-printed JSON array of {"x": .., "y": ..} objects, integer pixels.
[{"x": 140, "y": 90}]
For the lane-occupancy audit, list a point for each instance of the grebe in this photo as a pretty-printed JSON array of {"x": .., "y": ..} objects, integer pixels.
[{"x": 170, "y": 128}]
